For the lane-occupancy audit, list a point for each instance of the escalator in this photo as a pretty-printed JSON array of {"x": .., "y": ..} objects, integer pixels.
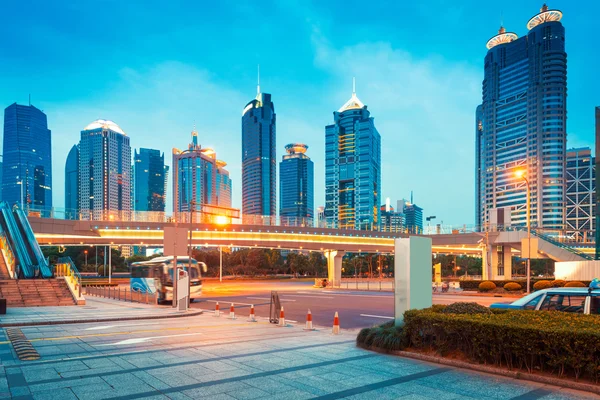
[
  {"x": 33, "y": 248},
  {"x": 26, "y": 267}
]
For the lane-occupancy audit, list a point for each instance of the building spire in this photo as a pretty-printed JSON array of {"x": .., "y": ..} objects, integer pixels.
[
  {"x": 258, "y": 82},
  {"x": 194, "y": 136},
  {"x": 353, "y": 85}
]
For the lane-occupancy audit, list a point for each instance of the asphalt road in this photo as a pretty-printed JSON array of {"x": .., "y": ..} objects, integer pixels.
[{"x": 357, "y": 309}]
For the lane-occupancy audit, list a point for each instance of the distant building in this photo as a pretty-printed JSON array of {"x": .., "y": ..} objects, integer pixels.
[
  {"x": 296, "y": 206},
  {"x": 391, "y": 220},
  {"x": 27, "y": 161},
  {"x": 581, "y": 192},
  {"x": 413, "y": 215},
  {"x": 597, "y": 197},
  {"x": 72, "y": 184},
  {"x": 199, "y": 180},
  {"x": 521, "y": 124},
  {"x": 259, "y": 164},
  {"x": 352, "y": 168},
  {"x": 321, "y": 222},
  {"x": 149, "y": 180},
  {"x": 104, "y": 172}
]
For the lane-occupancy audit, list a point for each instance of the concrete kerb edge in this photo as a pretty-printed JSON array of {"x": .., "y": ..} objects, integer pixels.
[
  {"x": 88, "y": 321},
  {"x": 554, "y": 381}
]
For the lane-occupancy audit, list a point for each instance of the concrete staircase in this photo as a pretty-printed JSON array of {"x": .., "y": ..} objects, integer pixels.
[
  {"x": 36, "y": 292},
  {"x": 3, "y": 269}
]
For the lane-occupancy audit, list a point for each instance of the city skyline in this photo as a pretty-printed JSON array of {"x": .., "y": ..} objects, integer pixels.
[{"x": 406, "y": 116}]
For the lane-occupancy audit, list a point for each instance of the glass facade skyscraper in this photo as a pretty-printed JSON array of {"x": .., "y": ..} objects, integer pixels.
[
  {"x": 27, "y": 163},
  {"x": 521, "y": 124},
  {"x": 72, "y": 183},
  {"x": 259, "y": 164},
  {"x": 352, "y": 168},
  {"x": 413, "y": 215},
  {"x": 296, "y": 187},
  {"x": 149, "y": 180},
  {"x": 199, "y": 179},
  {"x": 104, "y": 172}
]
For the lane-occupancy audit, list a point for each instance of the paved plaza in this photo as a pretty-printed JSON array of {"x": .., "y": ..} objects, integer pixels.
[{"x": 204, "y": 356}]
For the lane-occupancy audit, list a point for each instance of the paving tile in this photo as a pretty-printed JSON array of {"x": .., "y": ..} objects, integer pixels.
[
  {"x": 55, "y": 394},
  {"x": 248, "y": 394},
  {"x": 216, "y": 389}
]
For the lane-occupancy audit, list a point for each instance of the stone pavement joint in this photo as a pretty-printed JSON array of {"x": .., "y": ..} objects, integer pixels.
[
  {"x": 192, "y": 362},
  {"x": 533, "y": 395},
  {"x": 247, "y": 377},
  {"x": 383, "y": 384}
]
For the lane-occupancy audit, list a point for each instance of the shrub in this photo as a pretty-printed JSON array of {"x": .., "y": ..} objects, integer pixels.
[
  {"x": 386, "y": 336},
  {"x": 558, "y": 283},
  {"x": 539, "y": 285},
  {"x": 512, "y": 287},
  {"x": 575, "y": 284},
  {"x": 465, "y": 308},
  {"x": 558, "y": 343},
  {"x": 486, "y": 286}
]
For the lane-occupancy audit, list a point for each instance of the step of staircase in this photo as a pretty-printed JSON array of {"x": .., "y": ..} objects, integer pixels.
[{"x": 35, "y": 293}]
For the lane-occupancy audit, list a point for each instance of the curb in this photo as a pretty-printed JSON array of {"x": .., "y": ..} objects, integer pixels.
[
  {"x": 87, "y": 321},
  {"x": 525, "y": 376}
]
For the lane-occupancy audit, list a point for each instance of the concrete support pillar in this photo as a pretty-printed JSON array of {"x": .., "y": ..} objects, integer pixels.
[
  {"x": 507, "y": 262},
  {"x": 334, "y": 266},
  {"x": 496, "y": 262},
  {"x": 413, "y": 275},
  {"x": 486, "y": 263}
]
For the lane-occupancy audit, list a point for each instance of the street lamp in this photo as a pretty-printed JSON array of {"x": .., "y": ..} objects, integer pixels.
[
  {"x": 521, "y": 174},
  {"x": 85, "y": 252}
]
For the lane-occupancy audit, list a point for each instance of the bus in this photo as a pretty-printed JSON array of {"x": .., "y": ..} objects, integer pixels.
[{"x": 156, "y": 276}]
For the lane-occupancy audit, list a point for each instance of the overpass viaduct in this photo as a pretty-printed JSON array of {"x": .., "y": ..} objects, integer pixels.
[{"x": 496, "y": 248}]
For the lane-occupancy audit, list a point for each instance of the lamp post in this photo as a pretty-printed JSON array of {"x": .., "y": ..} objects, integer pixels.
[
  {"x": 85, "y": 252},
  {"x": 521, "y": 174}
]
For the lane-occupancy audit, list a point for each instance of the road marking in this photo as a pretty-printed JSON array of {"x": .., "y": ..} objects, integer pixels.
[
  {"x": 145, "y": 339},
  {"x": 376, "y": 316},
  {"x": 99, "y": 328},
  {"x": 311, "y": 297},
  {"x": 265, "y": 298},
  {"x": 291, "y": 320},
  {"x": 229, "y": 302}
]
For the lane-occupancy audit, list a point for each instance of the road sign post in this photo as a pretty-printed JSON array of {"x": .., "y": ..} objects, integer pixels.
[{"x": 175, "y": 244}]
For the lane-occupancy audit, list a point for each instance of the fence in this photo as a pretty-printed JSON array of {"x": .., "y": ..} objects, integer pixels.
[
  {"x": 361, "y": 284},
  {"x": 116, "y": 293}
]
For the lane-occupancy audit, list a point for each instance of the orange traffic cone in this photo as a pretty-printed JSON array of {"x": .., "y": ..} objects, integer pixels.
[
  {"x": 281, "y": 317},
  {"x": 217, "y": 311},
  {"x": 231, "y": 312},
  {"x": 252, "y": 317},
  {"x": 309, "y": 326},
  {"x": 336, "y": 324}
]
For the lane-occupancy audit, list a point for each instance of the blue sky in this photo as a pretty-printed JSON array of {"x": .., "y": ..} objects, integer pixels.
[{"x": 156, "y": 68}]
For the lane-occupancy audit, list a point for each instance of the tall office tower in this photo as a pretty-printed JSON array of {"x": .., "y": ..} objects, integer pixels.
[
  {"x": 259, "y": 164},
  {"x": 581, "y": 193},
  {"x": 521, "y": 124},
  {"x": 597, "y": 197},
  {"x": 413, "y": 215},
  {"x": 352, "y": 168},
  {"x": 72, "y": 184},
  {"x": 296, "y": 171},
  {"x": 149, "y": 180},
  {"x": 199, "y": 179},
  {"x": 223, "y": 185},
  {"x": 104, "y": 172},
  {"x": 27, "y": 166}
]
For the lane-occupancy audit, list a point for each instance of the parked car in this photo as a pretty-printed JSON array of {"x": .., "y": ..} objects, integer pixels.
[{"x": 575, "y": 300}]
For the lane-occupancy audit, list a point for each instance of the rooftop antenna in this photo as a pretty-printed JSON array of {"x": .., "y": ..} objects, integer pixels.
[
  {"x": 258, "y": 82},
  {"x": 353, "y": 85},
  {"x": 411, "y": 197},
  {"x": 194, "y": 136},
  {"x": 501, "y": 18},
  {"x": 29, "y": 99}
]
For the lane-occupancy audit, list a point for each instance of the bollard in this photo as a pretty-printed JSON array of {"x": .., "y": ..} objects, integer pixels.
[
  {"x": 336, "y": 324},
  {"x": 281, "y": 317},
  {"x": 252, "y": 317},
  {"x": 217, "y": 311},
  {"x": 309, "y": 326},
  {"x": 231, "y": 312}
]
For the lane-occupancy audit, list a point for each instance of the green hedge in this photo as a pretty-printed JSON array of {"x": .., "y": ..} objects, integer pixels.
[
  {"x": 560, "y": 343},
  {"x": 474, "y": 285}
]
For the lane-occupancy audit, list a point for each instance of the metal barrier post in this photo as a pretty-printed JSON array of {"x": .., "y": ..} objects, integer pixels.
[
  {"x": 119, "y": 294},
  {"x": 156, "y": 298},
  {"x": 146, "y": 297}
]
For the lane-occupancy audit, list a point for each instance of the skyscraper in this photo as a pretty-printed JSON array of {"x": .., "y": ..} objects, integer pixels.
[
  {"x": 149, "y": 180},
  {"x": 521, "y": 123},
  {"x": 27, "y": 166},
  {"x": 352, "y": 168},
  {"x": 104, "y": 172},
  {"x": 581, "y": 193},
  {"x": 72, "y": 184},
  {"x": 597, "y": 197},
  {"x": 391, "y": 220},
  {"x": 199, "y": 180},
  {"x": 259, "y": 164},
  {"x": 413, "y": 215},
  {"x": 296, "y": 171}
]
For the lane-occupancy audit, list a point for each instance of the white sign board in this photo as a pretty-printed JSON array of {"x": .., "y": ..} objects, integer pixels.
[
  {"x": 412, "y": 275},
  {"x": 183, "y": 289},
  {"x": 175, "y": 241},
  {"x": 529, "y": 248}
]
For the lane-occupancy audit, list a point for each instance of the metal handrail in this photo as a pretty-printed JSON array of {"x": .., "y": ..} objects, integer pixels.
[
  {"x": 65, "y": 267},
  {"x": 11, "y": 261},
  {"x": 556, "y": 243}
]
